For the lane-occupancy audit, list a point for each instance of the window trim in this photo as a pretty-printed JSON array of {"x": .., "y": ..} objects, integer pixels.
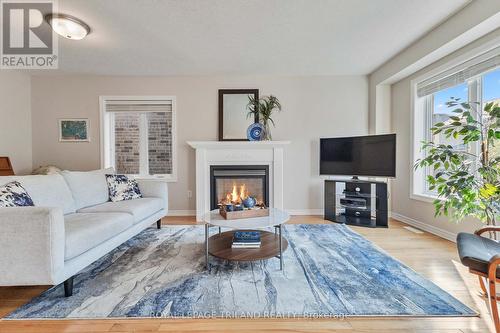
[
  {"x": 417, "y": 191},
  {"x": 107, "y": 146},
  {"x": 417, "y": 180}
]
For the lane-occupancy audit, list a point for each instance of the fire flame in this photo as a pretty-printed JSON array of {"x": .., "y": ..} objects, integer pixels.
[{"x": 236, "y": 196}]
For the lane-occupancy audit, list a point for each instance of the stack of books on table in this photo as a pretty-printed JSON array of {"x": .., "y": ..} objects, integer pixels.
[{"x": 246, "y": 240}]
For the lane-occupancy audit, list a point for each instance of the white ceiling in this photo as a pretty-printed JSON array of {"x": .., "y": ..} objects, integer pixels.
[{"x": 246, "y": 37}]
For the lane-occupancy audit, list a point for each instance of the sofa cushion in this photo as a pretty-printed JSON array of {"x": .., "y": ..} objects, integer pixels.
[
  {"x": 476, "y": 251},
  {"x": 139, "y": 208},
  {"x": 86, "y": 231},
  {"x": 122, "y": 188},
  {"x": 46, "y": 190},
  {"x": 89, "y": 188},
  {"x": 14, "y": 195}
]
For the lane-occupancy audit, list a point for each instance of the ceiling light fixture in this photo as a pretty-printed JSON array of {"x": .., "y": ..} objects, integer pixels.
[{"x": 68, "y": 26}]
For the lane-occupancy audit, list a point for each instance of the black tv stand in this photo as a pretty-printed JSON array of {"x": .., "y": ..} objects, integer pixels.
[{"x": 356, "y": 202}]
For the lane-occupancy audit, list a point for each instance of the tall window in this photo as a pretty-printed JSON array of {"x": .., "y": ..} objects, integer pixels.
[
  {"x": 491, "y": 93},
  {"x": 138, "y": 135},
  {"x": 477, "y": 80},
  {"x": 441, "y": 113}
]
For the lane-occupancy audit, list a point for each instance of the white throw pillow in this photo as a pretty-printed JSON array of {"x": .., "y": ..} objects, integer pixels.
[
  {"x": 122, "y": 188},
  {"x": 14, "y": 195},
  {"x": 89, "y": 188}
]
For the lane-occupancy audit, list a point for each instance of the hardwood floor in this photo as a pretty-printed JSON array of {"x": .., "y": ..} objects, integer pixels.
[{"x": 431, "y": 256}]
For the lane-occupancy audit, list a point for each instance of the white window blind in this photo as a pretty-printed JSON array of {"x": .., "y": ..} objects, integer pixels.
[
  {"x": 459, "y": 74},
  {"x": 139, "y": 106}
]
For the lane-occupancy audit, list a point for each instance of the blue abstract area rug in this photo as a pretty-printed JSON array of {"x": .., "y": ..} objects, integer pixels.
[{"x": 329, "y": 271}]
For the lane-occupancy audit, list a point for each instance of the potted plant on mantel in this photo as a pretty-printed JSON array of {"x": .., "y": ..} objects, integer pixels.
[
  {"x": 467, "y": 184},
  {"x": 263, "y": 108}
]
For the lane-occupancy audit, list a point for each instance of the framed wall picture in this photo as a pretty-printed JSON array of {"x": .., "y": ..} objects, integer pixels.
[{"x": 74, "y": 130}]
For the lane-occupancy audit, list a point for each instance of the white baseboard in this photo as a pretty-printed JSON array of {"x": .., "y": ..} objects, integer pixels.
[
  {"x": 451, "y": 236},
  {"x": 186, "y": 212},
  {"x": 304, "y": 211},
  {"x": 181, "y": 212}
]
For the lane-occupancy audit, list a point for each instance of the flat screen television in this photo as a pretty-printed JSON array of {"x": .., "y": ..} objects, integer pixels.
[{"x": 371, "y": 155}]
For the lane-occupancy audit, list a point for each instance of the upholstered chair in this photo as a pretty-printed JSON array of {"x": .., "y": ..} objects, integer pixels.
[{"x": 482, "y": 256}]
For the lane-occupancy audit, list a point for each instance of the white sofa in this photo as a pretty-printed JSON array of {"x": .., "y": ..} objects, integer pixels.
[{"x": 72, "y": 224}]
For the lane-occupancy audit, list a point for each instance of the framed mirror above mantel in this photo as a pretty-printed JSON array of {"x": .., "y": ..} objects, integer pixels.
[{"x": 233, "y": 113}]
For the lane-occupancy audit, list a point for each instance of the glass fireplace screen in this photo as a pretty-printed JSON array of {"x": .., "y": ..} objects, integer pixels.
[{"x": 232, "y": 184}]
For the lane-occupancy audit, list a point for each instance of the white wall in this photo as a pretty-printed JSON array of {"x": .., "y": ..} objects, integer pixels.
[
  {"x": 474, "y": 21},
  {"x": 476, "y": 24},
  {"x": 15, "y": 120},
  {"x": 401, "y": 121},
  {"x": 313, "y": 107}
]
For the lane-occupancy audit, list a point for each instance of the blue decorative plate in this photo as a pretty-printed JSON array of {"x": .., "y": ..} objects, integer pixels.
[{"x": 254, "y": 132}]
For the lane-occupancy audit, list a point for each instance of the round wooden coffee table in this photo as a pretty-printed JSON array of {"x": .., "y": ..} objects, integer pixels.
[{"x": 273, "y": 244}]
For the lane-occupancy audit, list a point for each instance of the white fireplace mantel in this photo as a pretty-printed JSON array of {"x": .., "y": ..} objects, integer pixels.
[
  {"x": 237, "y": 144},
  {"x": 210, "y": 153}
]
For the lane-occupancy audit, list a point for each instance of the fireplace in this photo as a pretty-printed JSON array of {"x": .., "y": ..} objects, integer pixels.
[
  {"x": 267, "y": 154},
  {"x": 233, "y": 183}
]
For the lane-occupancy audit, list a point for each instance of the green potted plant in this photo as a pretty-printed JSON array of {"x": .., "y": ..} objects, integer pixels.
[
  {"x": 466, "y": 183},
  {"x": 263, "y": 108}
]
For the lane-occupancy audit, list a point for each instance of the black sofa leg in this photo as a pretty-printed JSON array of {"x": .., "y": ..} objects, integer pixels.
[
  {"x": 68, "y": 287},
  {"x": 158, "y": 224}
]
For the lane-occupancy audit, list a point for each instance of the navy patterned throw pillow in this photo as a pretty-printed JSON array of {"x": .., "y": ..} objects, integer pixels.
[
  {"x": 122, "y": 188},
  {"x": 14, "y": 195}
]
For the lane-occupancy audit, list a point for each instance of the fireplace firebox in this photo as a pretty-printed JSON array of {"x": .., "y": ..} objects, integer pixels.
[{"x": 233, "y": 183}]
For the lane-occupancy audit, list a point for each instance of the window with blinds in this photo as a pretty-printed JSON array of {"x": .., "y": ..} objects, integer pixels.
[
  {"x": 460, "y": 74},
  {"x": 139, "y": 135},
  {"x": 474, "y": 80}
]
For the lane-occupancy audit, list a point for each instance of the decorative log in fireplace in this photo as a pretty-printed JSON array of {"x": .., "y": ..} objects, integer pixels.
[{"x": 233, "y": 183}]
